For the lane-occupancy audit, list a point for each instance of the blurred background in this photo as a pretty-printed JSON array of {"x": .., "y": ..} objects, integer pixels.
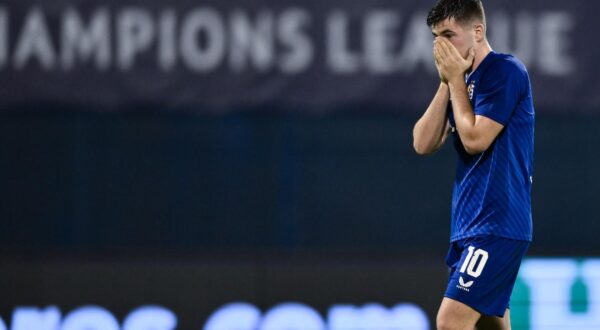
[{"x": 248, "y": 165}]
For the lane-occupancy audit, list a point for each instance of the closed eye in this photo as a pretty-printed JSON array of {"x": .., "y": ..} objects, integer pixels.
[{"x": 444, "y": 34}]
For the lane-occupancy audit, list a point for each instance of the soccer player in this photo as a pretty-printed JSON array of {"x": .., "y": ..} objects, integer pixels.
[{"x": 484, "y": 103}]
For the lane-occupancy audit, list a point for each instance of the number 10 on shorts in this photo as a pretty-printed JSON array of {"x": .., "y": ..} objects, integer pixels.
[{"x": 475, "y": 258}]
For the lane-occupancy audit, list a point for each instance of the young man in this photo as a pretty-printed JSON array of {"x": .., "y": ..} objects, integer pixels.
[{"x": 484, "y": 101}]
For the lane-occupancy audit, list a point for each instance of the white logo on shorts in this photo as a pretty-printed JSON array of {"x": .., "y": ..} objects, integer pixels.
[{"x": 463, "y": 284}]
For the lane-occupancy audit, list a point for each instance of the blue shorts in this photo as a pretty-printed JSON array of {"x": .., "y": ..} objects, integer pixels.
[{"x": 483, "y": 271}]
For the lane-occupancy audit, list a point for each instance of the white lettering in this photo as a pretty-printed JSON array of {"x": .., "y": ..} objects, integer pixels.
[
  {"x": 374, "y": 316},
  {"x": 467, "y": 259},
  {"x": 418, "y": 46},
  {"x": 554, "y": 43},
  {"x": 340, "y": 58},
  {"x": 498, "y": 31},
  {"x": 234, "y": 316},
  {"x": 135, "y": 31},
  {"x": 77, "y": 40},
  {"x": 300, "y": 49},
  {"x": 90, "y": 318},
  {"x": 3, "y": 37},
  {"x": 167, "y": 46},
  {"x": 292, "y": 316},
  {"x": 253, "y": 41},
  {"x": 525, "y": 37},
  {"x": 480, "y": 258},
  {"x": 371, "y": 42},
  {"x": 35, "y": 42},
  {"x": 474, "y": 258},
  {"x": 204, "y": 57},
  {"x": 150, "y": 318},
  {"x": 238, "y": 316},
  {"x": 379, "y": 38},
  {"x": 28, "y": 318}
]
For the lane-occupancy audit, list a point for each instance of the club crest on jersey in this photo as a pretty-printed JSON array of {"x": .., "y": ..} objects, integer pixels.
[{"x": 471, "y": 89}]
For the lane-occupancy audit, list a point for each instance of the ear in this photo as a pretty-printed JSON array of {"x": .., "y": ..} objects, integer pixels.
[{"x": 479, "y": 32}]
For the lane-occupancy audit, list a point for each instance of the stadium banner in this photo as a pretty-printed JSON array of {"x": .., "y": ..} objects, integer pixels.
[
  {"x": 297, "y": 56},
  {"x": 549, "y": 294}
]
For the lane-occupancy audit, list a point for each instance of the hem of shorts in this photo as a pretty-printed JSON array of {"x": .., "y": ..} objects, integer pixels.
[
  {"x": 478, "y": 310},
  {"x": 516, "y": 238}
]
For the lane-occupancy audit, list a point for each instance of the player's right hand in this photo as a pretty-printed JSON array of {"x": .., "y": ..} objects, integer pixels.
[{"x": 437, "y": 66}]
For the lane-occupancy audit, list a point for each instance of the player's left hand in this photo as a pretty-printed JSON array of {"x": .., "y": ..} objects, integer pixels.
[{"x": 451, "y": 65}]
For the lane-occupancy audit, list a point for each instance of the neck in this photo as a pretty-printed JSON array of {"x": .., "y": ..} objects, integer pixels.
[{"x": 480, "y": 54}]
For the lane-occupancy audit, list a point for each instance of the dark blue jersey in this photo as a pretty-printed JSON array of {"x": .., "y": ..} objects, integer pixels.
[{"x": 492, "y": 190}]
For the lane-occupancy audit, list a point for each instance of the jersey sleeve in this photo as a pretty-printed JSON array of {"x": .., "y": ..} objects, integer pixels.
[{"x": 500, "y": 91}]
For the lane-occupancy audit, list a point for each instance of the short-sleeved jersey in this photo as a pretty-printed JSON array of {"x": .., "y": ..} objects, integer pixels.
[{"x": 492, "y": 190}]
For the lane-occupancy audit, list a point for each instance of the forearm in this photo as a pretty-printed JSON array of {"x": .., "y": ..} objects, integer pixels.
[
  {"x": 429, "y": 131},
  {"x": 464, "y": 116},
  {"x": 461, "y": 106}
]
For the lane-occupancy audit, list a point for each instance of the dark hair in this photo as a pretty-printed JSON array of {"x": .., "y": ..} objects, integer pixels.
[{"x": 461, "y": 10}]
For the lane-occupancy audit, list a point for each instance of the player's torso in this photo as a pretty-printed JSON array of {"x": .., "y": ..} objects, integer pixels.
[{"x": 492, "y": 190}]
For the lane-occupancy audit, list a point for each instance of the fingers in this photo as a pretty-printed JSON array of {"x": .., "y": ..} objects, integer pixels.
[
  {"x": 441, "y": 55},
  {"x": 449, "y": 50},
  {"x": 471, "y": 56},
  {"x": 439, "y": 63},
  {"x": 436, "y": 55},
  {"x": 440, "y": 44},
  {"x": 450, "y": 63}
]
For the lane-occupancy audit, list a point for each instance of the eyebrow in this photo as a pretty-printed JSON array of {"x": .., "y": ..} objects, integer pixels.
[{"x": 446, "y": 31}]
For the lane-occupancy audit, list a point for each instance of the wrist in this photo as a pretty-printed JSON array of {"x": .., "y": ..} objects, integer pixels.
[{"x": 454, "y": 82}]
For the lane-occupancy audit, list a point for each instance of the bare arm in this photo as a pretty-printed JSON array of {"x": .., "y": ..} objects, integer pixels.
[
  {"x": 431, "y": 130},
  {"x": 476, "y": 132}
]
